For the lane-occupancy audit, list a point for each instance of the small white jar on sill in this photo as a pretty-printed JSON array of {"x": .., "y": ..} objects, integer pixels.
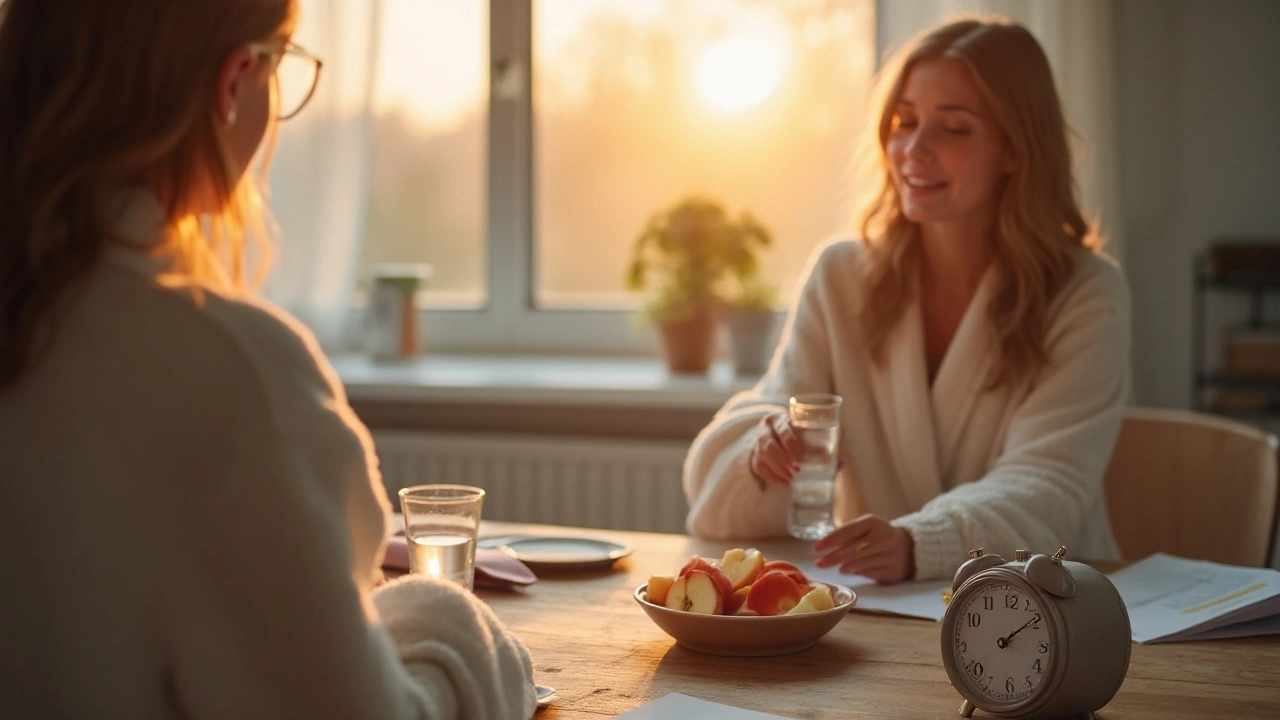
[{"x": 391, "y": 322}]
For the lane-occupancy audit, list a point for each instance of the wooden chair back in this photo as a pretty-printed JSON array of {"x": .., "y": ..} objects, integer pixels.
[{"x": 1193, "y": 485}]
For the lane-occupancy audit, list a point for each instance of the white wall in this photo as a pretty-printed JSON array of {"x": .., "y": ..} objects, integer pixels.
[{"x": 1199, "y": 102}]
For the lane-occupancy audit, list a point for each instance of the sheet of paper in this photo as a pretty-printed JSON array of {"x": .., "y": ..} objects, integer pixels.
[
  {"x": 1171, "y": 598},
  {"x": 682, "y": 707},
  {"x": 912, "y": 599}
]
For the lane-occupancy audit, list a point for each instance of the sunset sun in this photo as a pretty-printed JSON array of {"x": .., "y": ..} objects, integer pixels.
[{"x": 739, "y": 71}]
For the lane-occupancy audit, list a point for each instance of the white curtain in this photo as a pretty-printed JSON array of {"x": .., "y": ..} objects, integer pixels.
[
  {"x": 1077, "y": 36},
  {"x": 319, "y": 176}
]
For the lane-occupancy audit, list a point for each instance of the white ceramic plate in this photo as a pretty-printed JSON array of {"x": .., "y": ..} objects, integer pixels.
[
  {"x": 546, "y": 695},
  {"x": 565, "y": 553}
]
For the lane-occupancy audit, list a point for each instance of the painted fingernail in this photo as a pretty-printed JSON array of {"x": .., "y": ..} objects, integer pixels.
[
  {"x": 840, "y": 464},
  {"x": 795, "y": 467}
]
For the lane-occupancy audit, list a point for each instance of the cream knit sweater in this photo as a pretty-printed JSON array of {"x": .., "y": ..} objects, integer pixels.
[
  {"x": 958, "y": 467},
  {"x": 192, "y": 523}
]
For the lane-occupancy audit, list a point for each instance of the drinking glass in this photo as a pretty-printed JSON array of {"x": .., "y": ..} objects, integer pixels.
[
  {"x": 815, "y": 419},
  {"x": 440, "y": 526}
]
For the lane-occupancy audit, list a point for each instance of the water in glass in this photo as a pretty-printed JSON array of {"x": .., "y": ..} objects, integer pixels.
[
  {"x": 813, "y": 486},
  {"x": 444, "y": 553}
]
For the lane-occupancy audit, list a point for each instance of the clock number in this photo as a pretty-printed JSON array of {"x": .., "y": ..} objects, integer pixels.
[
  {"x": 962, "y": 646},
  {"x": 1044, "y": 648},
  {"x": 1030, "y": 686},
  {"x": 976, "y": 669},
  {"x": 1036, "y": 665},
  {"x": 1027, "y": 606},
  {"x": 1011, "y": 601},
  {"x": 988, "y": 603},
  {"x": 1008, "y": 685},
  {"x": 975, "y": 619}
]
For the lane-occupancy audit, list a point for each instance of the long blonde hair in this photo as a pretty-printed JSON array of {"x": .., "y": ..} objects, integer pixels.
[
  {"x": 1038, "y": 223},
  {"x": 101, "y": 95}
]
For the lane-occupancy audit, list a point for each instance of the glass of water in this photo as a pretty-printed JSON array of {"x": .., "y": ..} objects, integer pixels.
[
  {"x": 815, "y": 420},
  {"x": 440, "y": 526}
]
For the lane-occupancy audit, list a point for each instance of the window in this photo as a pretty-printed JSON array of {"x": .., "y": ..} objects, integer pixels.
[
  {"x": 520, "y": 147},
  {"x": 427, "y": 194}
]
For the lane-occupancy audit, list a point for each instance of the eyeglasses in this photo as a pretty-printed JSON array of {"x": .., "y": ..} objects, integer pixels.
[{"x": 296, "y": 74}]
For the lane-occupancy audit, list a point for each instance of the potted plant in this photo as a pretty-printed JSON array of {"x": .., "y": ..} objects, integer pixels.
[
  {"x": 686, "y": 255},
  {"x": 751, "y": 321}
]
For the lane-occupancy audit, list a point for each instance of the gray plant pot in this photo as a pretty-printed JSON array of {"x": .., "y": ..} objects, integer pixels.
[{"x": 752, "y": 339}]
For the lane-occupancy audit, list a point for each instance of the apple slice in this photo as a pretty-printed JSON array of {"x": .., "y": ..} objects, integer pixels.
[
  {"x": 746, "y": 570},
  {"x": 695, "y": 592},
  {"x": 774, "y": 593},
  {"x": 659, "y": 586},
  {"x": 787, "y": 568},
  {"x": 717, "y": 576},
  {"x": 816, "y": 600},
  {"x": 737, "y": 601},
  {"x": 731, "y": 559}
]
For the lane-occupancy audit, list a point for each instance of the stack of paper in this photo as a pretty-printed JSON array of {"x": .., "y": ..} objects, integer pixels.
[
  {"x": 1171, "y": 598},
  {"x": 911, "y": 599},
  {"x": 682, "y": 707}
]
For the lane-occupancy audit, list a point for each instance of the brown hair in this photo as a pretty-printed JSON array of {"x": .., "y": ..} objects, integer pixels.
[
  {"x": 97, "y": 96},
  {"x": 1038, "y": 223}
]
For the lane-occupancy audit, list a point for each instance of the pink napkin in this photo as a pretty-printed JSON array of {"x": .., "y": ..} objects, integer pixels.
[{"x": 495, "y": 570}]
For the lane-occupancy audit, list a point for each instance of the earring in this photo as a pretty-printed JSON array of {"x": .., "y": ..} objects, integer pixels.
[{"x": 231, "y": 116}]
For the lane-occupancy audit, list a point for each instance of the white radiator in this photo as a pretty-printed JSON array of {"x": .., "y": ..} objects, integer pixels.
[{"x": 589, "y": 482}]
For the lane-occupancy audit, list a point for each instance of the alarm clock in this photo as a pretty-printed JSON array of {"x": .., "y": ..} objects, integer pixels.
[{"x": 1038, "y": 638}]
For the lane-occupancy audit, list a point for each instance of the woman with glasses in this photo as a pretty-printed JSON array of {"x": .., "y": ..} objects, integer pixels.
[{"x": 191, "y": 516}]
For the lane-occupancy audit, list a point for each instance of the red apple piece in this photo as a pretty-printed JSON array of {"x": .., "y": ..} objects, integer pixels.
[
  {"x": 817, "y": 600},
  {"x": 747, "y": 569},
  {"x": 787, "y": 568},
  {"x": 737, "y": 601},
  {"x": 731, "y": 559},
  {"x": 696, "y": 592},
  {"x": 773, "y": 593},
  {"x": 717, "y": 576}
]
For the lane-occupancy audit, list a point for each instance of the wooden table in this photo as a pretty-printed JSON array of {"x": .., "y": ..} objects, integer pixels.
[{"x": 604, "y": 656}]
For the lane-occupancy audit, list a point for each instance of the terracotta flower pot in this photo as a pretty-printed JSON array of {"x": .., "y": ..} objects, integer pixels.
[{"x": 689, "y": 345}]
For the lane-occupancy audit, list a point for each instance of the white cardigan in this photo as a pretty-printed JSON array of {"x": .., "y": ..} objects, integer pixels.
[
  {"x": 958, "y": 467},
  {"x": 193, "y": 521}
]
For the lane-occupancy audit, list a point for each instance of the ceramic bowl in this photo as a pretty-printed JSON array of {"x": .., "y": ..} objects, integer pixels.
[{"x": 748, "y": 635}]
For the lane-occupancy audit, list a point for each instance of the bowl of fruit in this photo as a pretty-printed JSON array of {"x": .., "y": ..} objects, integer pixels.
[{"x": 743, "y": 604}]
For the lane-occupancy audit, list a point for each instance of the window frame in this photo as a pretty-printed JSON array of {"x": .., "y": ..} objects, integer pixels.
[{"x": 510, "y": 321}]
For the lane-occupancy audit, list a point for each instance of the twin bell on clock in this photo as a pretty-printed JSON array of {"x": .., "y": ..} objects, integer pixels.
[{"x": 1038, "y": 638}]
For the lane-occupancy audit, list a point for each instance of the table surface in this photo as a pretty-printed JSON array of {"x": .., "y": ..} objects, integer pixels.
[{"x": 591, "y": 642}]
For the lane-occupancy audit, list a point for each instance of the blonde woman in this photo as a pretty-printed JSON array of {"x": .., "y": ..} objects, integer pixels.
[
  {"x": 191, "y": 515},
  {"x": 979, "y": 340}
]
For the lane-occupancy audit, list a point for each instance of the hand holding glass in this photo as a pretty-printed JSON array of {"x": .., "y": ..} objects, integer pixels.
[
  {"x": 440, "y": 524},
  {"x": 815, "y": 420}
]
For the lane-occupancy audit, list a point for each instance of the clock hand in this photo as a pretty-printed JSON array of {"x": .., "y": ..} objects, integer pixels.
[{"x": 1004, "y": 641}]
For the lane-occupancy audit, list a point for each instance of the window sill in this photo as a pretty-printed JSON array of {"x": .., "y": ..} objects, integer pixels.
[{"x": 579, "y": 381}]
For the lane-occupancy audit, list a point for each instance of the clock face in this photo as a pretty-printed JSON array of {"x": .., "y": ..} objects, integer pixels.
[{"x": 1002, "y": 645}]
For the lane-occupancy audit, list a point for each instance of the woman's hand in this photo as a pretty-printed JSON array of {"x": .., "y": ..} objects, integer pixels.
[
  {"x": 774, "y": 455},
  {"x": 871, "y": 547}
]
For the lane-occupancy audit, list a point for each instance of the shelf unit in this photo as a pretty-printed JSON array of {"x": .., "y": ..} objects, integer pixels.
[{"x": 1255, "y": 282}]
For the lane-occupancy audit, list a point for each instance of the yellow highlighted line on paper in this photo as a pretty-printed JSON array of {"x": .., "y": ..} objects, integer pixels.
[{"x": 1225, "y": 598}]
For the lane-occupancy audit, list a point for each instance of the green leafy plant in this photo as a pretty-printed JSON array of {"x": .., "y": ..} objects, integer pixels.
[{"x": 692, "y": 255}]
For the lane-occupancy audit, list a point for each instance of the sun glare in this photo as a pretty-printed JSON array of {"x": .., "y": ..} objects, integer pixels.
[{"x": 739, "y": 71}]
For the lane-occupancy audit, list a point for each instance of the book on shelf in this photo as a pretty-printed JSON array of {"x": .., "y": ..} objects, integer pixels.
[{"x": 1171, "y": 599}]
